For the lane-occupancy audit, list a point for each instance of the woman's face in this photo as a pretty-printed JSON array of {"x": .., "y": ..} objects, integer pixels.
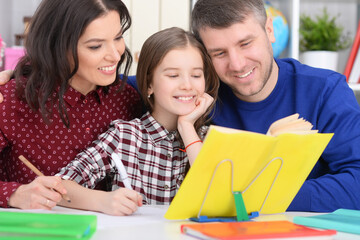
[{"x": 99, "y": 51}]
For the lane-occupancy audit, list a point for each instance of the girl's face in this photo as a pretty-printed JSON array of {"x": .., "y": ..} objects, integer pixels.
[
  {"x": 177, "y": 82},
  {"x": 99, "y": 50}
]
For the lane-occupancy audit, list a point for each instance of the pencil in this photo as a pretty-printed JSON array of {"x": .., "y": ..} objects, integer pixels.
[{"x": 38, "y": 173}]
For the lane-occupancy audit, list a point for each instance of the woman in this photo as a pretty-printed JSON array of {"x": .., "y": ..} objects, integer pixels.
[{"x": 67, "y": 92}]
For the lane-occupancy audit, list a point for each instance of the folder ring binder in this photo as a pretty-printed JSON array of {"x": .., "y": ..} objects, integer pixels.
[
  {"x": 239, "y": 202},
  {"x": 272, "y": 184}
]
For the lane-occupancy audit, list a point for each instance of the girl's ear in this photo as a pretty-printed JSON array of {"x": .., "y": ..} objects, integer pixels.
[{"x": 150, "y": 90}]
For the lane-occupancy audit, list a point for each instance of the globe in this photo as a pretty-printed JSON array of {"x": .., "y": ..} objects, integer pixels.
[{"x": 281, "y": 29}]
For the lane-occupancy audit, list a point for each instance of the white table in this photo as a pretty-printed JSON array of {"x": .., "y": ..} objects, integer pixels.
[{"x": 148, "y": 223}]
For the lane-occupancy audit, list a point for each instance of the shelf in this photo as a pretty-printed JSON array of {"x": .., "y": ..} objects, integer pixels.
[{"x": 347, "y": 10}]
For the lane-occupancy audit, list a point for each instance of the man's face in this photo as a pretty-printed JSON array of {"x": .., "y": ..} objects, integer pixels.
[{"x": 243, "y": 58}]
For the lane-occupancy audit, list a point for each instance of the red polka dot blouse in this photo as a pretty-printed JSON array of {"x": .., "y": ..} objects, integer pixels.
[{"x": 51, "y": 146}]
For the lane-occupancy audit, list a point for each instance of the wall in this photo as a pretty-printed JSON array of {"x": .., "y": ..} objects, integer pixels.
[
  {"x": 151, "y": 16},
  {"x": 346, "y": 10},
  {"x": 148, "y": 17},
  {"x": 5, "y": 20},
  {"x": 146, "y": 12},
  {"x": 11, "y": 17}
]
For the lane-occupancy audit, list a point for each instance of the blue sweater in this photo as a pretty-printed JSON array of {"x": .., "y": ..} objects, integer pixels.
[{"x": 324, "y": 98}]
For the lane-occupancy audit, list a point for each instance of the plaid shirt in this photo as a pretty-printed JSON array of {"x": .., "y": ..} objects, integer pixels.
[{"x": 150, "y": 154}]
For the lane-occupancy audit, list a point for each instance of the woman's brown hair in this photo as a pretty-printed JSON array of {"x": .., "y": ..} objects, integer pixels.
[{"x": 44, "y": 72}]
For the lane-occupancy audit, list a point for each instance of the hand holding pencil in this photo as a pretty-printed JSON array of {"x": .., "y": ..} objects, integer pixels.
[{"x": 42, "y": 193}]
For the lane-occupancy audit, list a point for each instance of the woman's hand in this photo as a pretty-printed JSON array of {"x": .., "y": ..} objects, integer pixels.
[
  {"x": 42, "y": 193},
  {"x": 4, "y": 78}
]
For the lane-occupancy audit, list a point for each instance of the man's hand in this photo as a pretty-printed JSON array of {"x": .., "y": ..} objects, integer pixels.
[{"x": 4, "y": 78}]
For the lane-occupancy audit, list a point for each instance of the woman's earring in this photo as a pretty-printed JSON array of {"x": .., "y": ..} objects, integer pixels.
[{"x": 149, "y": 95}]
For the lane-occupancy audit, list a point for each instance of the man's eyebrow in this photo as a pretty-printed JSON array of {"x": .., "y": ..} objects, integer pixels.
[
  {"x": 214, "y": 50},
  {"x": 245, "y": 39}
]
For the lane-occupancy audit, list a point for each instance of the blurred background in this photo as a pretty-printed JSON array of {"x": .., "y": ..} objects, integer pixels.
[{"x": 150, "y": 16}]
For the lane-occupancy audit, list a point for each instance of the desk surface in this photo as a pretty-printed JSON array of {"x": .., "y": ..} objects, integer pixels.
[{"x": 148, "y": 223}]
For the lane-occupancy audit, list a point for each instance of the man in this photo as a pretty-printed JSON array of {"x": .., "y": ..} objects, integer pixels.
[{"x": 257, "y": 89}]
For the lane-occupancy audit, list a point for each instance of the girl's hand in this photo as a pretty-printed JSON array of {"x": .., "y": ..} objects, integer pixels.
[
  {"x": 185, "y": 126},
  {"x": 202, "y": 104},
  {"x": 42, "y": 193},
  {"x": 122, "y": 201}
]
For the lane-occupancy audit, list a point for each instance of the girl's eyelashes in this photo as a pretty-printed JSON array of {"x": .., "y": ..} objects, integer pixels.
[
  {"x": 177, "y": 75},
  {"x": 173, "y": 75},
  {"x": 197, "y": 74}
]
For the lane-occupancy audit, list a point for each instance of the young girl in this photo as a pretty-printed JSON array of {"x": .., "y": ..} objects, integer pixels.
[{"x": 178, "y": 84}]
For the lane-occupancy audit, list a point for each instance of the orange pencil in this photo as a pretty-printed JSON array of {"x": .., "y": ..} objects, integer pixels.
[{"x": 37, "y": 172}]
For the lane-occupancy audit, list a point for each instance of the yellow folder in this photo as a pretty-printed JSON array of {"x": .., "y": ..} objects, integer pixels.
[{"x": 250, "y": 152}]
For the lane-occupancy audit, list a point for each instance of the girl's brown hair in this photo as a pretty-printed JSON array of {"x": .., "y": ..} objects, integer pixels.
[{"x": 154, "y": 50}]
